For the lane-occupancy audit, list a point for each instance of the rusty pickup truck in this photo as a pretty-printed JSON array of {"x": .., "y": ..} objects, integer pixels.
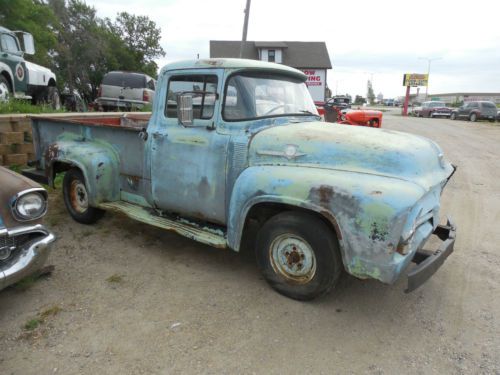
[{"x": 233, "y": 144}]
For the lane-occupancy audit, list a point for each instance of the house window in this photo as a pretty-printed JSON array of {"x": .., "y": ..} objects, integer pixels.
[{"x": 271, "y": 55}]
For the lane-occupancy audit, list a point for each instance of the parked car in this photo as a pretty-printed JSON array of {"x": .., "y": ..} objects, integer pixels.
[
  {"x": 24, "y": 241},
  {"x": 476, "y": 110},
  {"x": 434, "y": 109},
  {"x": 252, "y": 153},
  {"x": 22, "y": 79},
  {"x": 125, "y": 91},
  {"x": 415, "y": 109}
]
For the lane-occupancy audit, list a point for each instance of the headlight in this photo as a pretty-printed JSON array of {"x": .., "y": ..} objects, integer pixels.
[{"x": 30, "y": 204}]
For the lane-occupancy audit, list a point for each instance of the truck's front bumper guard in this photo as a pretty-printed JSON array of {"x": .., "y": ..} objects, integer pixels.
[{"x": 429, "y": 262}]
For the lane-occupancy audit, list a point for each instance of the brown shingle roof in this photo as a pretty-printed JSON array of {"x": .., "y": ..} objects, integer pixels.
[{"x": 295, "y": 54}]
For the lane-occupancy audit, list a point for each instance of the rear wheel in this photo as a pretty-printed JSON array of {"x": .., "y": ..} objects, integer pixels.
[
  {"x": 298, "y": 255},
  {"x": 76, "y": 198},
  {"x": 473, "y": 117},
  {"x": 53, "y": 98},
  {"x": 5, "y": 90}
]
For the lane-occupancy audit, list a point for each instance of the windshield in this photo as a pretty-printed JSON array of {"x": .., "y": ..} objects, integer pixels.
[
  {"x": 437, "y": 104},
  {"x": 253, "y": 96}
]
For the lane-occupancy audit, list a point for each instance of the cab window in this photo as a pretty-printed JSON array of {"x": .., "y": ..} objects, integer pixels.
[{"x": 203, "y": 89}]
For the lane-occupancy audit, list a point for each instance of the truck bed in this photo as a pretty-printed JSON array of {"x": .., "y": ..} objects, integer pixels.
[{"x": 108, "y": 140}]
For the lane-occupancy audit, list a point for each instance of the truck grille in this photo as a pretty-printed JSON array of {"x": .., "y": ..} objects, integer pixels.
[{"x": 9, "y": 245}]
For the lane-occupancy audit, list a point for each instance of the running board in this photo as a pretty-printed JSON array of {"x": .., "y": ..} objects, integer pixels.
[{"x": 208, "y": 236}]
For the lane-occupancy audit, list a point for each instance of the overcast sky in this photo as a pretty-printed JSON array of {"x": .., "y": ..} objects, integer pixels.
[{"x": 379, "y": 39}]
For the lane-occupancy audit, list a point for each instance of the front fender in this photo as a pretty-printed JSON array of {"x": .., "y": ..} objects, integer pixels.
[
  {"x": 97, "y": 160},
  {"x": 368, "y": 211}
]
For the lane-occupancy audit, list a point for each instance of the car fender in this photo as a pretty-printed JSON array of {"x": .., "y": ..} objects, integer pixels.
[
  {"x": 98, "y": 162},
  {"x": 367, "y": 211}
]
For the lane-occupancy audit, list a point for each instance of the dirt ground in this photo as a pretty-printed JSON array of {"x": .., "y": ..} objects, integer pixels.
[{"x": 126, "y": 298}]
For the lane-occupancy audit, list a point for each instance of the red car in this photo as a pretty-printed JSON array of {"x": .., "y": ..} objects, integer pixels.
[{"x": 434, "y": 109}]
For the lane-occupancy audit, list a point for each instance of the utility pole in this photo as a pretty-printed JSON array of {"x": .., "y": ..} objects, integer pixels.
[
  {"x": 245, "y": 28},
  {"x": 429, "y": 60}
]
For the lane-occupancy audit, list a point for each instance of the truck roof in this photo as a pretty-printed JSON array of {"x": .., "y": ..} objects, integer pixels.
[
  {"x": 233, "y": 64},
  {"x": 4, "y": 30}
]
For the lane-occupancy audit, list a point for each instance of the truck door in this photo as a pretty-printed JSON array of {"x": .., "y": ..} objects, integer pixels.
[
  {"x": 188, "y": 162},
  {"x": 11, "y": 59}
]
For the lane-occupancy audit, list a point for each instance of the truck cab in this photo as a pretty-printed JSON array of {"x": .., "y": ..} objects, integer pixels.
[
  {"x": 22, "y": 79},
  {"x": 237, "y": 144}
]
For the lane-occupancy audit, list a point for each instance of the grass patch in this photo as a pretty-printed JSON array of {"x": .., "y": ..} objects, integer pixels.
[
  {"x": 23, "y": 106},
  {"x": 115, "y": 279},
  {"x": 26, "y": 283},
  {"x": 41, "y": 317},
  {"x": 32, "y": 324},
  {"x": 50, "y": 311},
  {"x": 147, "y": 108}
]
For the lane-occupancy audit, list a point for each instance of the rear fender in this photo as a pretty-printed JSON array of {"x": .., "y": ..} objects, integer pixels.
[{"x": 97, "y": 160}]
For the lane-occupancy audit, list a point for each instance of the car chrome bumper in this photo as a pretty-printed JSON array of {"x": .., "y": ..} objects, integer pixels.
[
  {"x": 29, "y": 257},
  {"x": 429, "y": 262}
]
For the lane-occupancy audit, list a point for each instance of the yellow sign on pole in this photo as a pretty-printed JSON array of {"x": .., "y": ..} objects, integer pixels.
[{"x": 415, "y": 80}]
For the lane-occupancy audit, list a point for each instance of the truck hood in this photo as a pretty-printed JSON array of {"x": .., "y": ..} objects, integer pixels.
[{"x": 352, "y": 148}]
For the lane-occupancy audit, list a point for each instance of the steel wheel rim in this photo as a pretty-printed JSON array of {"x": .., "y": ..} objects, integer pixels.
[
  {"x": 79, "y": 197},
  {"x": 4, "y": 92},
  {"x": 292, "y": 257}
]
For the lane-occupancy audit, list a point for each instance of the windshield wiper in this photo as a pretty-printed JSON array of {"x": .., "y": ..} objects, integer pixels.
[{"x": 308, "y": 112}]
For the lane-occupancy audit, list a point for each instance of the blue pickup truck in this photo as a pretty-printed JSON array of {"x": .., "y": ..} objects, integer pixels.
[{"x": 235, "y": 143}]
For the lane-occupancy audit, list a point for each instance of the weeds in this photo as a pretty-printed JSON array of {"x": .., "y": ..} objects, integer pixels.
[
  {"x": 23, "y": 106},
  {"x": 32, "y": 324},
  {"x": 35, "y": 323},
  {"x": 26, "y": 283},
  {"x": 115, "y": 279}
]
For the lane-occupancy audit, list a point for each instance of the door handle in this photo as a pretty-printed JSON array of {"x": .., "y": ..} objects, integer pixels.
[{"x": 157, "y": 135}]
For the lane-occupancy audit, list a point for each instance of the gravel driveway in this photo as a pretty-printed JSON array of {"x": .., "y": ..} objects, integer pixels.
[{"x": 126, "y": 298}]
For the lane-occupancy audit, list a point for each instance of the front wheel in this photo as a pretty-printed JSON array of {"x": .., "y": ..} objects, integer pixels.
[
  {"x": 473, "y": 117},
  {"x": 298, "y": 255},
  {"x": 453, "y": 116},
  {"x": 5, "y": 91},
  {"x": 76, "y": 198}
]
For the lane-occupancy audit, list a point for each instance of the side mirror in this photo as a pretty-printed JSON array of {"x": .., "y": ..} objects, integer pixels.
[
  {"x": 28, "y": 44},
  {"x": 185, "y": 109}
]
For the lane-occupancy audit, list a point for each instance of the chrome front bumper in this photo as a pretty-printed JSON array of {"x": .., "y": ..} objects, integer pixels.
[{"x": 28, "y": 257}]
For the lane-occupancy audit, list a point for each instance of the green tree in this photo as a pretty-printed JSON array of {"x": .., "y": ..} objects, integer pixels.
[
  {"x": 359, "y": 100},
  {"x": 35, "y": 17},
  {"x": 142, "y": 37}
]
